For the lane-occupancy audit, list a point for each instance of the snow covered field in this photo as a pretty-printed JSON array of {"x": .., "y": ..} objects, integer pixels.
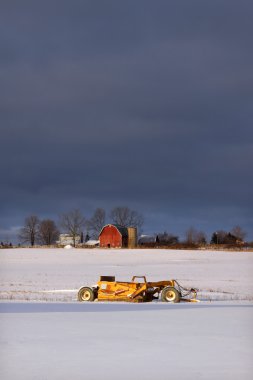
[
  {"x": 55, "y": 337},
  {"x": 56, "y": 274}
]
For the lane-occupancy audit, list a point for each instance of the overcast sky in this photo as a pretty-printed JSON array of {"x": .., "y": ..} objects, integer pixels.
[{"x": 147, "y": 104}]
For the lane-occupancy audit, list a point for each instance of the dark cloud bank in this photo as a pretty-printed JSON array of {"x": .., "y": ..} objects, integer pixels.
[{"x": 139, "y": 103}]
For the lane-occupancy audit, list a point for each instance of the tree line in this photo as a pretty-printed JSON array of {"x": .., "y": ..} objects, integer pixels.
[
  {"x": 194, "y": 237},
  {"x": 73, "y": 223}
]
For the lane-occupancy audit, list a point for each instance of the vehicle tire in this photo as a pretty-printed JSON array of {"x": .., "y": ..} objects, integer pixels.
[
  {"x": 170, "y": 294},
  {"x": 85, "y": 294}
]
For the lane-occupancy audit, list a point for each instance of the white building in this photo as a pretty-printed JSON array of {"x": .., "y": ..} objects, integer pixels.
[{"x": 66, "y": 239}]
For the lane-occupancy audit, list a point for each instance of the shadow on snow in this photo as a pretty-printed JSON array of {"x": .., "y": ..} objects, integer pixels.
[{"x": 20, "y": 307}]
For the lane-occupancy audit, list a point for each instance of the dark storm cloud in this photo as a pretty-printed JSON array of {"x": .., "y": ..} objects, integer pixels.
[{"x": 138, "y": 103}]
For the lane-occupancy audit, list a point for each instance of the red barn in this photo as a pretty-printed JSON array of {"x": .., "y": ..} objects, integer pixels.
[{"x": 113, "y": 236}]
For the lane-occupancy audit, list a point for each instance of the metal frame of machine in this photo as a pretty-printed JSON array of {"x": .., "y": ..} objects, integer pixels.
[{"x": 107, "y": 289}]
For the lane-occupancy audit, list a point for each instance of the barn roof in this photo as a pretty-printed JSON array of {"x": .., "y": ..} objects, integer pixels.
[{"x": 122, "y": 230}]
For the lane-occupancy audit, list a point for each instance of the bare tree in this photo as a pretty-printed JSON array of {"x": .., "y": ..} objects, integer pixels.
[
  {"x": 126, "y": 217},
  {"x": 29, "y": 233},
  {"x": 96, "y": 223},
  {"x": 48, "y": 232},
  {"x": 238, "y": 232},
  {"x": 190, "y": 235},
  {"x": 201, "y": 237},
  {"x": 73, "y": 222},
  {"x": 193, "y": 236}
]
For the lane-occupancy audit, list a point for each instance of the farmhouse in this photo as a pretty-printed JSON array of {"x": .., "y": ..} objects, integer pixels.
[
  {"x": 65, "y": 239},
  {"x": 115, "y": 236}
]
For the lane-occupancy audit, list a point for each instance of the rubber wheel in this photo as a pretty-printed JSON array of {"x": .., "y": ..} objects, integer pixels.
[
  {"x": 86, "y": 294},
  {"x": 170, "y": 294}
]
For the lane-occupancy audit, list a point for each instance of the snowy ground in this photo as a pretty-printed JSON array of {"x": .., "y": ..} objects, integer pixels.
[
  {"x": 71, "y": 340},
  {"x": 56, "y": 274}
]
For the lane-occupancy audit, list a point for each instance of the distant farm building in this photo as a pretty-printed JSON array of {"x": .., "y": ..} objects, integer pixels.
[
  {"x": 115, "y": 236},
  {"x": 92, "y": 243},
  {"x": 146, "y": 239},
  {"x": 66, "y": 239}
]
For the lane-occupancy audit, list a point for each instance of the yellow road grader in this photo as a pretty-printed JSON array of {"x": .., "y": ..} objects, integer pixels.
[{"x": 107, "y": 289}]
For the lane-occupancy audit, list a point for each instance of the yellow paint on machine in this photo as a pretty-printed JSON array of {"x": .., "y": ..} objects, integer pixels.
[{"x": 107, "y": 289}]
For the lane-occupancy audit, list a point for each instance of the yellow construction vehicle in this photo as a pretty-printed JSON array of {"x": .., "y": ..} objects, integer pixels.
[{"x": 107, "y": 289}]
